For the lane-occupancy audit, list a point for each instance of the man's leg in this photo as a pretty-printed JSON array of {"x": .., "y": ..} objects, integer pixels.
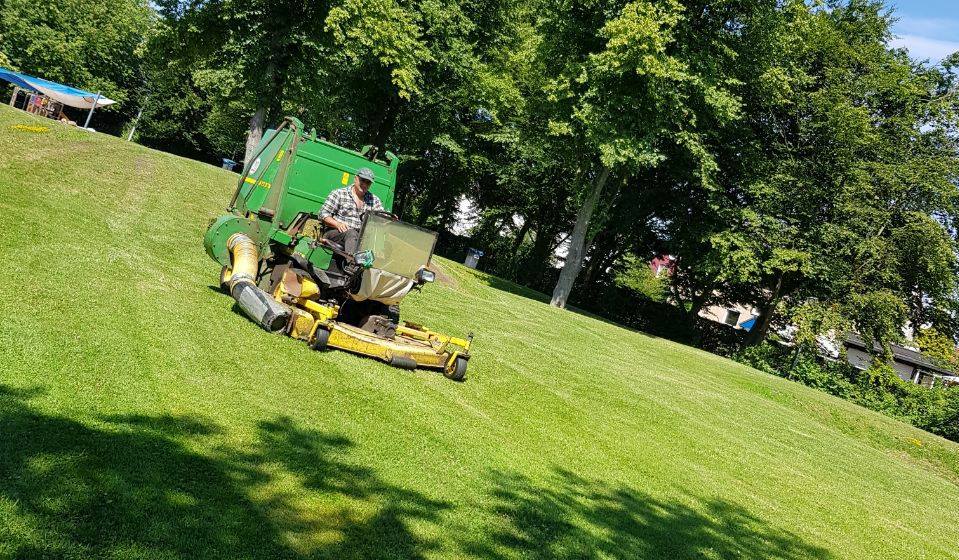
[{"x": 349, "y": 239}]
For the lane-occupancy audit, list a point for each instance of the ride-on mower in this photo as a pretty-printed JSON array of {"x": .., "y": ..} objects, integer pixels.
[{"x": 286, "y": 277}]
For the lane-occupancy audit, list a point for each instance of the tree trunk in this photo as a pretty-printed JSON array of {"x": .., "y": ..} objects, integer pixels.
[
  {"x": 255, "y": 132},
  {"x": 269, "y": 102},
  {"x": 448, "y": 216},
  {"x": 399, "y": 200},
  {"x": 761, "y": 327},
  {"x": 603, "y": 255},
  {"x": 596, "y": 253},
  {"x": 577, "y": 243},
  {"x": 385, "y": 122},
  {"x": 917, "y": 314},
  {"x": 532, "y": 266},
  {"x": 520, "y": 236},
  {"x": 697, "y": 303}
]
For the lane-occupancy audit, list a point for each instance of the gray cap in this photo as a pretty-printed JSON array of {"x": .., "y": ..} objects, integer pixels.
[{"x": 365, "y": 173}]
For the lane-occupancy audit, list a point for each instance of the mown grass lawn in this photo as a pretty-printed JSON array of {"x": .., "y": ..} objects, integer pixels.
[{"x": 142, "y": 417}]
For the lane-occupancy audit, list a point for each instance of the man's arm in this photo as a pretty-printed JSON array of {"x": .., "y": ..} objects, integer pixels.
[
  {"x": 328, "y": 210},
  {"x": 332, "y": 222}
]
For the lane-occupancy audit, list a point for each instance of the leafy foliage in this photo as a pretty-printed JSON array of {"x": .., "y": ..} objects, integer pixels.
[
  {"x": 640, "y": 278},
  {"x": 939, "y": 347},
  {"x": 98, "y": 46},
  {"x": 5, "y": 60}
]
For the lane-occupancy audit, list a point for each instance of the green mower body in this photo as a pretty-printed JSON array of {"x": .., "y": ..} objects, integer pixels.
[{"x": 291, "y": 175}]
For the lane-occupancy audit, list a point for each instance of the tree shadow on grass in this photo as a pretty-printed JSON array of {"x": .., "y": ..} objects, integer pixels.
[
  {"x": 572, "y": 517},
  {"x": 137, "y": 488},
  {"x": 141, "y": 486},
  {"x": 385, "y": 533}
]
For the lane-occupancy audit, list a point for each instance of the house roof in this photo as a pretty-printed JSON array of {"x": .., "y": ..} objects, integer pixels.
[{"x": 902, "y": 354}]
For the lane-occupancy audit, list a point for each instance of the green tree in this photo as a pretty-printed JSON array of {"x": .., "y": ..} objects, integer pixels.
[
  {"x": 4, "y": 59},
  {"x": 939, "y": 347},
  {"x": 617, "y": 86},
  {"x": 410, "y": 76},
  {"x": 640, "y": 278},
  {"x": 726, "y": 244},
  {"x": 839, "y": 185},
  {"x": 273, "y": 57}
]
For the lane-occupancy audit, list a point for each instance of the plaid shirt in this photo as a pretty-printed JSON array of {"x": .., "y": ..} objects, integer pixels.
[{"x": 341, "y": 205}]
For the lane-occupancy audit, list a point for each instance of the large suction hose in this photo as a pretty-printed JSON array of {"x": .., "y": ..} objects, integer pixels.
[{"x": 257, "y": 304}]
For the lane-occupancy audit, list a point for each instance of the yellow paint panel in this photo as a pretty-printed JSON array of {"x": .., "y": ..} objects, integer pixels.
[{"x": 346, "y": 178}]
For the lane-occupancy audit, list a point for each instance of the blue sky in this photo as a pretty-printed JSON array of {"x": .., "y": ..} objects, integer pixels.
[{"x": 928, "y": 28}]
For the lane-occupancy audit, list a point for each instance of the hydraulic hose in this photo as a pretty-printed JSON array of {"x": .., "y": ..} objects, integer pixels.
[
  {"x": 255, "y": 303},
  {"x": 246, "y": 262}
]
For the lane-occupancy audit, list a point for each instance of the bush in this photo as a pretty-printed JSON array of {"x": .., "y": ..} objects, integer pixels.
[
  {"x": 935, "y": 410},
  {"x": 949, "y": 428},
  {"x": 640, "y": 278},
  {"x": 764, "y": 357}
]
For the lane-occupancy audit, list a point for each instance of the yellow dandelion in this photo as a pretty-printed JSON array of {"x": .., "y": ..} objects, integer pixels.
[{"x": 29, "y": 128}]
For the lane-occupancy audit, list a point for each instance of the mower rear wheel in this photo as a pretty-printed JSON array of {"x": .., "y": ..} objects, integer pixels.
[
  {"x": 320, "y": 339},
  {"x": 456, "y": 372}
]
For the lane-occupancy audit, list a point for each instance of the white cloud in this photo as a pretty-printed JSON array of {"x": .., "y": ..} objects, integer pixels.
[{"x": 925, "y": 48}]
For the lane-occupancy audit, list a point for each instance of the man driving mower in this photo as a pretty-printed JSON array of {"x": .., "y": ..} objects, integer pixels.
[{"x": 342, "y": 212}]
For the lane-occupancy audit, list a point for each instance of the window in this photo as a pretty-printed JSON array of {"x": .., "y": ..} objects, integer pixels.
[{"x": 732, "y": 317}]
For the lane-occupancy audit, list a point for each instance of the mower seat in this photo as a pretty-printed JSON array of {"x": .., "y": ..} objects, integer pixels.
[{"x": 382, "y": 286}]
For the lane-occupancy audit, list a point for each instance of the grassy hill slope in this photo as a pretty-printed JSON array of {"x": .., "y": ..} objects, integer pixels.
[{"x": 142, "y": 417}]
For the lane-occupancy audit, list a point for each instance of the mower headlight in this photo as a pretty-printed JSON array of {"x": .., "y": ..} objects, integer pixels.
[{"x": 423, "y": 276}]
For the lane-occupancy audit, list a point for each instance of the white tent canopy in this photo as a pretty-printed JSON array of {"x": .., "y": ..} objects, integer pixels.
[{"x": 70, "y": 96}]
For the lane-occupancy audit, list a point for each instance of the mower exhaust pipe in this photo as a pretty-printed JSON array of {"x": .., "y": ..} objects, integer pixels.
[{"x": 255, "y": 303}]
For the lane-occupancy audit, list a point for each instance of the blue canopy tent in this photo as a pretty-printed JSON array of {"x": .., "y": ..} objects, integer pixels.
[{"x": 69, "y": 96}]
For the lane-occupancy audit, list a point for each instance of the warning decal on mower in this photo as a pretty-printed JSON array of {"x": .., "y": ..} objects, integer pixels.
[{"x": 253, "y": 181}]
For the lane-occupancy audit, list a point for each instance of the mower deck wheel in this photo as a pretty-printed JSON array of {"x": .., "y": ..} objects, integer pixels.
[
  {"x": 404, "y": 362},
  {"x": 457, "y": 371},
  {"x": 320, "y": 339}
]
